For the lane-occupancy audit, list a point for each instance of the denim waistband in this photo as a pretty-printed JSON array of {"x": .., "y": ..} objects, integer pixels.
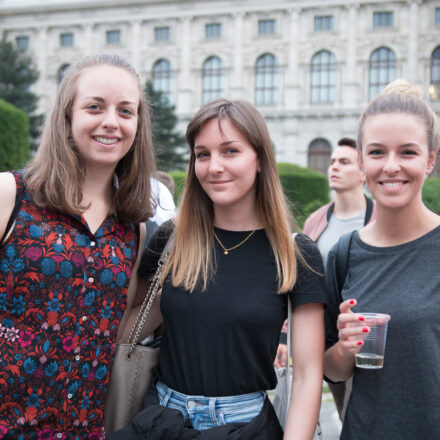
[{"x": 166, "y": 392}]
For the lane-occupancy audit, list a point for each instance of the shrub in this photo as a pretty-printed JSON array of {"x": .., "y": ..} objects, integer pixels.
[
  {"x": 431, "y": 194},
  {"x": 14, "y": 137}
]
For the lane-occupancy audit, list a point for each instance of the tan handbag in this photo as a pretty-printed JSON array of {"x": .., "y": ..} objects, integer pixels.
[{"x": 133, "y": 364}]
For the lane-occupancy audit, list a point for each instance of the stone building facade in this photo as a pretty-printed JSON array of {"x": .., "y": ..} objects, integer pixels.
[{"x": 310, "y": 66}]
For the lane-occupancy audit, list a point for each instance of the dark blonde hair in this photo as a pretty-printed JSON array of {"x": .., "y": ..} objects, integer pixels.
[
  {"x": 400, "y": 96},
  {"x": 191, "y": 258},
  {"x": 56, "y": 174}
]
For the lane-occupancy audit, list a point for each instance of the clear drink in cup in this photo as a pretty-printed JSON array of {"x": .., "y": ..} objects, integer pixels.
[{"x": 371, "y": 354}]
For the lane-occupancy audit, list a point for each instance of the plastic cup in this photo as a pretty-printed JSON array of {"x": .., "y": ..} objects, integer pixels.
[{"x": 371, "y": 354}]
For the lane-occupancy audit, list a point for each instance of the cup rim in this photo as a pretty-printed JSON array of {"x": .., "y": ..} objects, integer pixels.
[{"x": 374, "y": 315}]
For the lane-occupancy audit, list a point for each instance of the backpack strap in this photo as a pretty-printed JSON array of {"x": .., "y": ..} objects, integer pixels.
[
  {"x": 342, "y": 259},
  {"x": 17, "y": 205},
  {"x": 368, "y": 210}
]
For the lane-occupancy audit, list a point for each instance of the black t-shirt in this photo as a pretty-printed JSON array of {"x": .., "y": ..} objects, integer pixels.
[{"x": 223, "y": 341}]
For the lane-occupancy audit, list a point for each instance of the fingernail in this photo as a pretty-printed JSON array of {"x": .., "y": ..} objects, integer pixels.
[
  {"x": 359, "y": 343},
  {"x": 365, "y": 330},
  {"x": 361, "y": 318},
  {"x": 352, "y": 301}
]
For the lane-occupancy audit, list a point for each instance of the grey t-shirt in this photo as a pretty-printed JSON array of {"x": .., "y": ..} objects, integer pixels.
[
  {"x": 401, "y": 400},
  {"x": 335, "y": 228}
]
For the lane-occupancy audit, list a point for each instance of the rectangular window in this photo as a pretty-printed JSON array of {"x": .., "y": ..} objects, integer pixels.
[
  {"x": 66, "y": 40},
  {"x": 22, "y": 43},
  {"x": 323, "y": 23},
  {"x": 213, "y": 30},
  {"x": 162, "y": 33},
  {"x": 437, "y": 15},
  {"x": 266, "y": 27},
  {"x": 113, "y": 37},
  {"x": 383, "y": 19}
]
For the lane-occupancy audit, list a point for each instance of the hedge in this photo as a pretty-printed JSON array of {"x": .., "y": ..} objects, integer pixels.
[
  {"x": 431, "y": 194},
  {"x": 305, "y": 189},
  {"x": 14, "y": 137}
]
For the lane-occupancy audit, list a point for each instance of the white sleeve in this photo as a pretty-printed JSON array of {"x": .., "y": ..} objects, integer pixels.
[{"x": 165, "y": 209}]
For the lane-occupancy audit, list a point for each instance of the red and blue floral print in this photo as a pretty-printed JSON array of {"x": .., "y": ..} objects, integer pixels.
[{"x": 62, "y": 296}]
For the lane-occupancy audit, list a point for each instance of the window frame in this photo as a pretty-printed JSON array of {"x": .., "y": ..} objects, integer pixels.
[
  {"x": 325, "y": 87},
  {"x": 64, "y": 37},
  {"x": 22, "y": 38},
  {"x": 267, "y": 26},
  {"x": 383, "y": 64},
  {"x": 267, "y": 82},
  {"x": 320, "y": 20},
  {"x": 213, "y": 75},
  {"x": 163, "y": 76},
  {"x": 159, "y": 30},
  {"x": 217, "y": 34},
  {"x": 381, "y": 19},
  {"x": 109, "y": 36}
]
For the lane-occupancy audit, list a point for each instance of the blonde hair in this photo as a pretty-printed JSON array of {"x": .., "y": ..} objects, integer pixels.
[
  {"x": 191, "y": 259},
  {"x": 400, "y": 96},
  {"x": 56, "y": 174}
]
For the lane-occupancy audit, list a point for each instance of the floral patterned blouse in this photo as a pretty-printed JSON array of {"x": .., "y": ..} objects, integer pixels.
[{"x": 62, "y": 296}]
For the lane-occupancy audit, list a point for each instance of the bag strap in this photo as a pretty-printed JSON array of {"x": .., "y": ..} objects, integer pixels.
[
  {"x": 155, "y": 285},
  {"x": 342, "y": 260},
  {"x": 289, "y": 327},
  {"x": 368, "y": 210},
  {"x": 17, "y": 205}
]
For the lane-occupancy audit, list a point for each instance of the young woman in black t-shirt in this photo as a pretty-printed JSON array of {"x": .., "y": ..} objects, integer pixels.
[{"x": 224, "y": 299}]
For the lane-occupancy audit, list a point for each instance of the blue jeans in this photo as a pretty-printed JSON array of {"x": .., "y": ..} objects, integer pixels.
[{"x": 208, "y": 412}]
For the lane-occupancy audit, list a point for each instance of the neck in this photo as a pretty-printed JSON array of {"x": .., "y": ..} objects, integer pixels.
[
  {"x": 397, "y": 226},
  {"x": 349, "y": 204},
  {"x": 97, "y": 187},
  {"x": 236, "y": 219}
]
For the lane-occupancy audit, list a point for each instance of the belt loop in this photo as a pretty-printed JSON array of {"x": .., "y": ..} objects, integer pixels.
[
  {"x": 166, "y": 390},
  {"x": 212, "y": 413}
]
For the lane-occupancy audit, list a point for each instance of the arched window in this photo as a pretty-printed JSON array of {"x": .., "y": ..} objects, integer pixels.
[
  {"x": 434, "y": 87},
  {"x": 319, "y": 155},
  {"x": 382, "y": 70},
  {"x": 61, "y": 72},
  {"x": 212, "y": 79},
  {"x": 323, "y": 77},
  {"x": 162, "y": 78},
  {"x": 266, "y": 80}
]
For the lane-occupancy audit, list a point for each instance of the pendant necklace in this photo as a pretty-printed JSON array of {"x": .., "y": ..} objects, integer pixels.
[{"x": 226, "y": 251}]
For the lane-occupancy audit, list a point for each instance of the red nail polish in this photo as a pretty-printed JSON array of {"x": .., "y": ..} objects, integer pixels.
[
  {"x": 361, "y": 318},
  {"x": 359, "y": 343},
  {"x": 365, "y": 330},
  {"x": 352, "y": 301}
]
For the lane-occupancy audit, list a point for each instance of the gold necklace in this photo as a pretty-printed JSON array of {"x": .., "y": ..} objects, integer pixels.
[{"x": 226, "y": 251}]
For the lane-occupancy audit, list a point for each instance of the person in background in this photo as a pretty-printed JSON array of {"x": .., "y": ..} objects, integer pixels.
[
  {"x": 71, "y": 227},
  {"x": 391, "y": 269},
  {"x": 231, "y": 267}
]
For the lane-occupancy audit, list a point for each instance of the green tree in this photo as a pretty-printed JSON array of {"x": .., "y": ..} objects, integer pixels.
[
  {"x": 17, "y": 74},
  {"x": 168, "y": 142}
]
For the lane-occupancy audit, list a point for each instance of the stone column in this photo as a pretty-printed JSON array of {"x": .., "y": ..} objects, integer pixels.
[
  {"x": 184, "y": 92},
  {"x": 350, "y": 86},
  {"x": 413, "y": 40},
  {"x": 43, "y": 88},
  {"x": 292, "y": 72},
  {"x": 136, "y": 44},
  {"x": 237, "y": 90}
]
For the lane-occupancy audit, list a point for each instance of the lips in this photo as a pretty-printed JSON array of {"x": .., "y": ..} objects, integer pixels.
[{"x": 393, "y": 184}]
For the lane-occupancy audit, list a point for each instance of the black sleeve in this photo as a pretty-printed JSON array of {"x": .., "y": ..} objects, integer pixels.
[
  {"x": 153, "y": 251},
  {"x": 310, "y": 285},
  {"x": 334, "y": 299}
]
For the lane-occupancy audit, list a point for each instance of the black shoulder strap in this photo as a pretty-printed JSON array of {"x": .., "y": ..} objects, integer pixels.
[
  {"x": 17, "y": 205},
  {"x": 368, "y": 211},
  {"x": 342, "y": 259}
]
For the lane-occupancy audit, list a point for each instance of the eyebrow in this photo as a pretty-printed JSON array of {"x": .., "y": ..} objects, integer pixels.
[
  {"x": 223, "y": 144},
  {"x": 100, "y": 99}
]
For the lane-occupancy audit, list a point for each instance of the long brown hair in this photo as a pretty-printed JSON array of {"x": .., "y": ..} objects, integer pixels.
[
  {"x": 55, "y": 175},
  {"x": 191, "y": 258}
]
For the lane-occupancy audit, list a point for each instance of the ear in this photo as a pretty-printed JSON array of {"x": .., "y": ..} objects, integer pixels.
[{"x": 431, "y": 161}]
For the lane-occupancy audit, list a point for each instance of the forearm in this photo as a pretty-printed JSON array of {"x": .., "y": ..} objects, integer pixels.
[
  {"x": 304, "y": 406},
  {"x": 338, "y": 363}
]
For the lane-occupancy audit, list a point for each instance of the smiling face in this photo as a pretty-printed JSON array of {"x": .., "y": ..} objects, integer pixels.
[
  {"x": 104, "y": 115},
  {"x": 344, "y": 172},
  {"x": 226, "y": 166},
  {"x": 396, "y": 158}
]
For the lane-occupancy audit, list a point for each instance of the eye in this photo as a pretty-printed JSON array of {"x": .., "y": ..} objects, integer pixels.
[
  {"x": 201, "y": 155},
  {"x": 127, "y": 112},
  {"x": 93, "y": 107},
  {"x": 231, "y": 150},
  {"x": 409, "y": 152},
  {"x": 375, "y": 152}
]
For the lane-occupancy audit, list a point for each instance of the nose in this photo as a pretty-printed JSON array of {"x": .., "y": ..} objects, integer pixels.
[
  {"x": 216, "y": 164},
  {"x": 110, "y": 119},
  {"x": 392, "y": 164}
]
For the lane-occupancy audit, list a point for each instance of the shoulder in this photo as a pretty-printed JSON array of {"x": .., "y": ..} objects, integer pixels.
[
  {"x": 308, "y": 251},
  {"x": 316, "y": 217},
  {"x": 8, "y": 191}
]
